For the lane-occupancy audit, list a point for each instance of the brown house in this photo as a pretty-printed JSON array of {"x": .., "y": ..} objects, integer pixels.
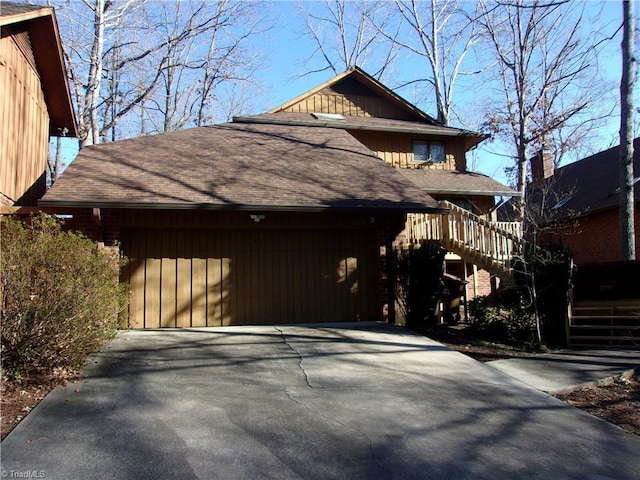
[
  {"x": 35, "y": 102},
  {"x": 283, "y": 217},
  {"x": 582, "y": 201},
  {"x": 428, "y": 154}
]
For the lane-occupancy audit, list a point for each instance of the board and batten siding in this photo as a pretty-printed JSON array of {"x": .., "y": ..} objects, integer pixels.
[
  {"x": 352, "y": 105},
  {"x": 24, "y": 136},
  {"x": 200, "y": 277},
  {"x": 397, "y": 149}
]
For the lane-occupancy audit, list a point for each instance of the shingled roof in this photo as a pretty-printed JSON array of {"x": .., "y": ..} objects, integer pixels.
[
  {"x": 365, "y": 123},
  {"x": 580, "y": 188},
  {"x": 237, "y": 166},
  {"x": 590, "y": 184},
  {"x": 453, "y": 182}
]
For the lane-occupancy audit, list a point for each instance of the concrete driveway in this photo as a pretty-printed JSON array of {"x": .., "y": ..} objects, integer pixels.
[{"x": 354, "y": 401}]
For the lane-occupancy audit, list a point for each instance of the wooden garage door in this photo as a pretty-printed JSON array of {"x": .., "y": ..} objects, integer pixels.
[{"x": 191, "y": 278}]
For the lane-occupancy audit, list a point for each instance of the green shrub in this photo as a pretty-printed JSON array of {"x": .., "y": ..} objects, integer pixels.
[{"x": 60, "y": 296}]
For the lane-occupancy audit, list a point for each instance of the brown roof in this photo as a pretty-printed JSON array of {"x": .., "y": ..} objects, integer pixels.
[
  {"x": 590, "y": 184},
  {"x": 40, "y": 22},
  {"x": 364, "y": 123},
  {"x": 11, "y": 9},
  {"x": 266, "y": 167},
  {"x": 456, "y": 182}
]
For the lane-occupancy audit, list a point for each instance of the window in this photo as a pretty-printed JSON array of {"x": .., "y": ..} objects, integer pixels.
[{"x": 428, "y": 152}]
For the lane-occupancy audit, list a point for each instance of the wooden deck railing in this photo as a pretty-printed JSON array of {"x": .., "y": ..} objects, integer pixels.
[{"x": 491, "y": 245}]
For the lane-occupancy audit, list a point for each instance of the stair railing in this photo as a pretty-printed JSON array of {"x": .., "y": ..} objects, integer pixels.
[{"x": 488, "y": 244}]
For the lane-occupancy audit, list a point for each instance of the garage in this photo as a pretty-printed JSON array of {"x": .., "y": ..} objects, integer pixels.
[
  {"x": 198, "y": 278},
  {"x": 241, "y": 224}
]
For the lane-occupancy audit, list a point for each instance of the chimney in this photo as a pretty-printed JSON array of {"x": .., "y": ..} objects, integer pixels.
[{"x": 541, "y": 167}]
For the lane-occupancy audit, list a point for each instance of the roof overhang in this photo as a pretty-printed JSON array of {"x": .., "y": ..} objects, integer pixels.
[
  {"x": 42, "y": 27},
  {"x": 364, "y": 207},
  {"x": 471, "y": 139},
  {"x": 486, "y": 193}
]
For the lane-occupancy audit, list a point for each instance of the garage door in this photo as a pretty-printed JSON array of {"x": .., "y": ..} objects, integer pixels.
[{"x": 191, "y": 278}]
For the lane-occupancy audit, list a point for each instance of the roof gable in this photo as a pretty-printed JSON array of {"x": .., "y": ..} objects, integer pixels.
[
  {"x": 360, "y": 94},
  {"x": 41, "y": 25}
]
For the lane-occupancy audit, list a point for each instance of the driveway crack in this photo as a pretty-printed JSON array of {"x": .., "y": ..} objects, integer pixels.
[
  {"x": 300, "y": 357},
  {"x": 374, "y": 453}
]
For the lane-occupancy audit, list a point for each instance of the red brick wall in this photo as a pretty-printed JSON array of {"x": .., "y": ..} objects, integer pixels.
[
  {"x": 596, "y": 237},
  {"x": 105, "y": 229},
  {"x": 478, "y": 285}
]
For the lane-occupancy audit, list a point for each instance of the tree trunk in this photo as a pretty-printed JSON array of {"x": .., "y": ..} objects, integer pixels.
[
  {"x": 627, "y": 228},
  {"x": 94, "y": 80}
]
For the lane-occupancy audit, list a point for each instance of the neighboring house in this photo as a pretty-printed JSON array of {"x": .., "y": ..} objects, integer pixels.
[
  {"x": 582, "y": 202},
  {"x": 35, "y": 102},
  {"x": 283, "y": 217}
]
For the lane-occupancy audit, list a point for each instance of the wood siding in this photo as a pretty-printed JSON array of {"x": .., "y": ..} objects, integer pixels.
[
  {"x": 24, "y": 136},
  {"x": 352, "y": 99},
  {"x": 353, "y": 105},
  {"x": 193, "y": 278},
  {"x": 397, "y": 149}
]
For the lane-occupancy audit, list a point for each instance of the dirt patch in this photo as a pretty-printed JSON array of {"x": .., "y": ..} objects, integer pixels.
[
  {"x": 617, "y": 402},
  {"x": 19, "y": 397}
]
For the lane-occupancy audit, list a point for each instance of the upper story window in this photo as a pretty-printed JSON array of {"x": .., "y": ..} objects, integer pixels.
[{"x": 428, "y": 152}]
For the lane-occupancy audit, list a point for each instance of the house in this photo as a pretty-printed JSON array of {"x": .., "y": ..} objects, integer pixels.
[
  {"x": 35, "y": 101},
  {"x": 581, "y": 203},
  {"x": 430, "y": 155},
  {"x": 283, "y": 217}
]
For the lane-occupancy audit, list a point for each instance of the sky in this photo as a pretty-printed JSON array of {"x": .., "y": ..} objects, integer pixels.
[{"x": 287, "y": 49}]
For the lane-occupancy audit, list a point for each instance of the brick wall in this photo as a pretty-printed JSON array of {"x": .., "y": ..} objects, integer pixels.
[
  {"x": 102, "y": 226},
  {"x": 596, "y": 237},
  {"x": 478, "y": 284}
]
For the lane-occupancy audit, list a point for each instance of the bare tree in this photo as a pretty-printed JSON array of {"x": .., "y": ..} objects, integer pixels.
[
  {"x": 227, "y": 62},
  {"x": 139, "y": 58},
  {"x": 441, "y": 33},
  {"x": 627, "y": 208},
  {"x": 55, "y": 164},
  {"x": 348, "y": 34},
  {"x": 104, "y": 15},
  {"x": 542, "y": 61}
]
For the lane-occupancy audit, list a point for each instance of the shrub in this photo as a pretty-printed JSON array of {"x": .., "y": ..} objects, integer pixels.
[
  {"x": 60, "y": 296},
  {"x": 505, "y": 317}
]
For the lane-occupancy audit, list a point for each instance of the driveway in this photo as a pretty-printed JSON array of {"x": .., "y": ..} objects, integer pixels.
[{"x": 352, "y": 401}]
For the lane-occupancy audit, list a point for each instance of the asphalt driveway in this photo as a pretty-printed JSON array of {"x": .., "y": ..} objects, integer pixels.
[{"x": 355, "y": 401}]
